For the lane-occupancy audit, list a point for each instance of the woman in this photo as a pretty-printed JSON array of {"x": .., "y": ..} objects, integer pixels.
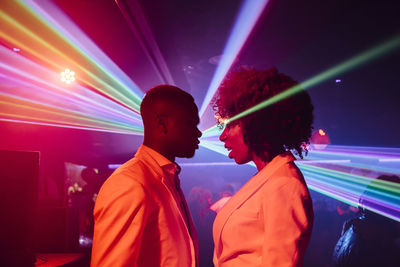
[{"x": 268, "y": 222}]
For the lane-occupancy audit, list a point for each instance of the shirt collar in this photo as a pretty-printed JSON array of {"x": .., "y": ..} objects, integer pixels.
[{"x": 166, "y": 165}]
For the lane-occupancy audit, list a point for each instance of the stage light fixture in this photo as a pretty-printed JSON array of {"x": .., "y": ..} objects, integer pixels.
[
  {"x": 67, "y": 76},
  {"x": 319, "y": 139}
]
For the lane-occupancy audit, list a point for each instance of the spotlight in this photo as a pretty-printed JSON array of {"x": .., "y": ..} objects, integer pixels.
[
  {"x": 319, "y": 139},
  {"x": 15, "y": 49},
  {"x": 67, "y": 76}
]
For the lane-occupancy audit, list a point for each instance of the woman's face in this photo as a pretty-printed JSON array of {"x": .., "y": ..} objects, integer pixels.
[{"x": 232, "y": 136}]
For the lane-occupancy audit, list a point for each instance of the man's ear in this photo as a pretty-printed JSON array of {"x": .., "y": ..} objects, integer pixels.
[{"x": 162, "y": 123}]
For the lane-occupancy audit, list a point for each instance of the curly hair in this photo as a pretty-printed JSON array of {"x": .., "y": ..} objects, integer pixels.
[{"x": 285, "y": 125}]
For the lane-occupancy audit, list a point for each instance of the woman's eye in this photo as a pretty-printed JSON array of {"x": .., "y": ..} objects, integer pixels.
[{"x": 231, "y": 124}]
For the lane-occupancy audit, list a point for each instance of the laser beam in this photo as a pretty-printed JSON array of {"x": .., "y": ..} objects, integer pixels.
[
  {"x": 247, "y": 18},
  {"x": 341, "y": 185},
  {"x": 343, "y": 67}
]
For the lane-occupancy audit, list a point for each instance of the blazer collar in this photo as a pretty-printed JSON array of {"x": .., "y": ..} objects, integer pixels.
[
  {"x": 249, "y": 189},
  {"x": 153, "y": 159},
  {"x": 158, "y": 164}
]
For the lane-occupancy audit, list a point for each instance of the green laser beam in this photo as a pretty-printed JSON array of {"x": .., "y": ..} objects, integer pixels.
[
  {"x": 354, "y": 178},
  {"x": 341, "y": 68},
  {"x": 345, "y": 66}
]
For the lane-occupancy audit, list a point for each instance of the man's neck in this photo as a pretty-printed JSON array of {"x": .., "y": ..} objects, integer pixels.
[{"x": 159, "y": 149}]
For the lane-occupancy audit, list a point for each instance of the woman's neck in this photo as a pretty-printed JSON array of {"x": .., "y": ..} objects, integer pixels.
[{"x": 260, "y": 162}]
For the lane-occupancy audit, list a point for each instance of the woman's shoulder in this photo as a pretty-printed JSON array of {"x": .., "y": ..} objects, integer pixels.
[{"x": 288, "y": 174}]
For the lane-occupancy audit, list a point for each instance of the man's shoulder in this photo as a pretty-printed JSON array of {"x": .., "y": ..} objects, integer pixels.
[
  {"x": 132, "y": 176},
  {"x": 135, "y": 169}
]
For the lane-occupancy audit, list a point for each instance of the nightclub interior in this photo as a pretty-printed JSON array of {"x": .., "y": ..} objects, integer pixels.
[{"x": 73, "y": 75}]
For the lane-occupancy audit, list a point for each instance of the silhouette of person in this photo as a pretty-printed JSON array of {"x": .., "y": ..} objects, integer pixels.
[
  {"x": 93, "y": 183},
  {"x": 226, "y": 192},
  {"x": 268, "y": 222},
  {"x": 199, "y": 201},
  {"x": 141, "y": 216},
  {"x": 370, "y": 239}
]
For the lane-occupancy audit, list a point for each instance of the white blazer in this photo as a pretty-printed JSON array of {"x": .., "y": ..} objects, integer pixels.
[
  {"x": 137, "y": 220},
  {"x": 268, "y": 222}
]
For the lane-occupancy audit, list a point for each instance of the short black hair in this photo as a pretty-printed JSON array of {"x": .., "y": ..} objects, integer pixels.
[{"x": 165, "y": 93}]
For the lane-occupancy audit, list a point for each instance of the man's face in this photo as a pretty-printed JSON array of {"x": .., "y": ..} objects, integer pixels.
[
  {"x": 232, "y": 136},
  {"x": 184, "y": 134}
]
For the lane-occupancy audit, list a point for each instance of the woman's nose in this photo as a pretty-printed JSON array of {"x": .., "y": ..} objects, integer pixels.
[{"x": 222, "y": 137}]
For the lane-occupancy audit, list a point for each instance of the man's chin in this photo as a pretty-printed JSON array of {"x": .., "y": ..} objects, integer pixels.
[{"x": 187, "y": 154}]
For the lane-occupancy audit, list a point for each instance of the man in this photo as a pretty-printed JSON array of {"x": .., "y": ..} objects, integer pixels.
[{"x": 141, "y": 216}]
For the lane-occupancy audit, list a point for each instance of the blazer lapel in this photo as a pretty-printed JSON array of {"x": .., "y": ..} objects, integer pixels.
[
  {"x": 189, "y": 226},
  {"x": 192, "y": 229},
  {"x": 159, "y": 174},
  {"x": 246, "y": 192}
]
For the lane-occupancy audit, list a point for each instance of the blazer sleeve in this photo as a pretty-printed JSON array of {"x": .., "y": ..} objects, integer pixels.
[
  {"x": 121, "y": 211},
  {"x": 287, "y": 211}
]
